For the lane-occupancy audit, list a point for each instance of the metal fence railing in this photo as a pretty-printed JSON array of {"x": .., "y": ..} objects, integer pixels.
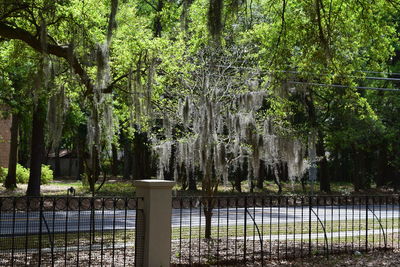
[
  {"x": 79, "y": 231},
  {"x": 263, "y": 228},
  {"x": 67, "y": 231}
]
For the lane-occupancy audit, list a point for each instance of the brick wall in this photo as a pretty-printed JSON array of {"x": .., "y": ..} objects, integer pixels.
[{"x": 5, "y": 136}]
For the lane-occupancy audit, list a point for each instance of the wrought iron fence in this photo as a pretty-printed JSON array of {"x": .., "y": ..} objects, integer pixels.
[
  {"x": 68, "y": 231},
  {"x": 259, "y": 229}
]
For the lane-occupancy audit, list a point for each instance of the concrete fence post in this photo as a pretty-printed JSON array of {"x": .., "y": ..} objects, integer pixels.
[{"x": 156, "y": 221}]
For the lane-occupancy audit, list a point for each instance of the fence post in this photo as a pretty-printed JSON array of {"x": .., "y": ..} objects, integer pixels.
[
  {"x": 156, "y": 222},
  {"x": 245, "y": 230},
  {"x": 366, "y": 221},
  {"x": 310, "y": 224}
]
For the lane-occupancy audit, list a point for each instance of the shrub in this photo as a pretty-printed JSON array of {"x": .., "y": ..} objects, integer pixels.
[
  {"x": 47, "y": 174},
  {"x": 22, "y": 174},
  {"x": 3, "y": 174},
  {"x": 106, "y": 166}
]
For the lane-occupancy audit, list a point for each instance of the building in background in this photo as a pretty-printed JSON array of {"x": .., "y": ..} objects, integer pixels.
[{"x": 68, "y": 164}]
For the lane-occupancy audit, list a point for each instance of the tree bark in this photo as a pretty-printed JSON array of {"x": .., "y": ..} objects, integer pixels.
[
  {"x": 208, "y": 216},
  {"x": 114, "y": 165},
  {"x": 127, "y": 159},
  {"x": 11, "y": 179},
  {"x": 81, "y": 164},
  {"x": 57, "y": 168},
  {"x": 382, "y": 172},
  {"x": 94, "y": 175},
  {"x": 142, "y": 161},
  {"x": 37, "y": 147},
  {"x": 359, "y": 176},
  {"x": 209, "y": 187},
  {"x": 80, "y": 149},
  {"x": 192, "y": 180},
  {"x": 157, "y": 19},
  {"x": 238, "y": 178},
  {"x": 324, "y": 177},
  {"x": 277, "y": 178},
  {"x": 261, "y": 175}
]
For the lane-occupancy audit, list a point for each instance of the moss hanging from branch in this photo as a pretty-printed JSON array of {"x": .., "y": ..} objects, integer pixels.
[
  {"x": 57, "y": 107},
  {"x": 100, "y": 124}
]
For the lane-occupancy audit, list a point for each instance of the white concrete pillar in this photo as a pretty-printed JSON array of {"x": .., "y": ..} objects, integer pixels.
[{"x": 157, "y": 211}]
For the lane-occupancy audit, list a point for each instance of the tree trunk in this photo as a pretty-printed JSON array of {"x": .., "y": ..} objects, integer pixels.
[
  {"x": 11, "y": 179},
  {"x": 94, "y": 173},
  {"x": 324, "y": 177},
  {"x": 114, "y": 166},
  {"x": 285, "y": 171},
  {"x": 81, "y": 160},
  {"x": 57, "y": 168},
  {"x": 208, "y": 208},
  {"x": 208, "y": 216},
  {"x": 261, "y": 175},
  {"x": 185, "y": 20},
  {"x": 157, "y": 19},
  {"x": 37, "y": 148},
  {"x": 127, "y": 159},
  {"x": 69, "y": 167},
  {"x": 277, "y": 178},
  {"x": 207, "y": 186},
  {"x": 358, "y": 169},
  {"x": 192, "y": 181},
  {"x": 141, "y": 162},
  {"x": 183, "y": 178},
  {"x": 80, "y": 149},
  {"x": 238, "y": 179},
  {"x": 382, "y": 171},
  {"x": 396, "y": 180}
]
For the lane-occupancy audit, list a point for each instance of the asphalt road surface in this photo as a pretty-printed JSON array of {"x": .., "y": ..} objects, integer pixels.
[{"x": 22, "y": 223}]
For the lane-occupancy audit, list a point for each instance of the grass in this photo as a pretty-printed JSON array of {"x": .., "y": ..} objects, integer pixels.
[
  {"x": 288, "y": 229},
  {"x": 126, "y": 189},
  {"x": 66, "y": 183},
  {"x": 221, "y": 232},
  {"x": 194, "y": 237},
  {"x": 112, "y": 188},
  {"x": 63, "y": 239},
  {"x": 288, "y": 188},
  {"x": 60, "y": 187},
  {"x": 120, "y": 189}
]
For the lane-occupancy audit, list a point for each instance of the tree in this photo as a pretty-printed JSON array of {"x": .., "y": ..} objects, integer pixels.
[
  {"x": 16, "y": 72},
  {"x": 319, "y": 42},
  {"x": 46, "y": 18}
]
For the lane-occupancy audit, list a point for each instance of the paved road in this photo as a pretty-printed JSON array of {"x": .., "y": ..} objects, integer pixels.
[{"x": 72, "y": 221}]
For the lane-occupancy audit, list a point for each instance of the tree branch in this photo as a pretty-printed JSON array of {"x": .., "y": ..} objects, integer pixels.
[
  {"x": 150, "y": 4},
  {"x": 16, "y": 33},
  {"x": 111, "y": 85}
]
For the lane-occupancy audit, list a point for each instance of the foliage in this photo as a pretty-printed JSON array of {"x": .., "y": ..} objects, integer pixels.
[
  {"x": 23, "y": 174},
  {"x": 47, "y": 174},
  {"x": 309, "y": 57},
  {"x": 3, "y": 174}
]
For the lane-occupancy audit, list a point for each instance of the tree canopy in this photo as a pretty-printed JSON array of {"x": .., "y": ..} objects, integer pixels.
[{"x": 206, "y": 90}]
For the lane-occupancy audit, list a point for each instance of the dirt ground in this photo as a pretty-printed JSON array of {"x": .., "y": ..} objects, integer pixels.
[{"x": 377, "y": 258}]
